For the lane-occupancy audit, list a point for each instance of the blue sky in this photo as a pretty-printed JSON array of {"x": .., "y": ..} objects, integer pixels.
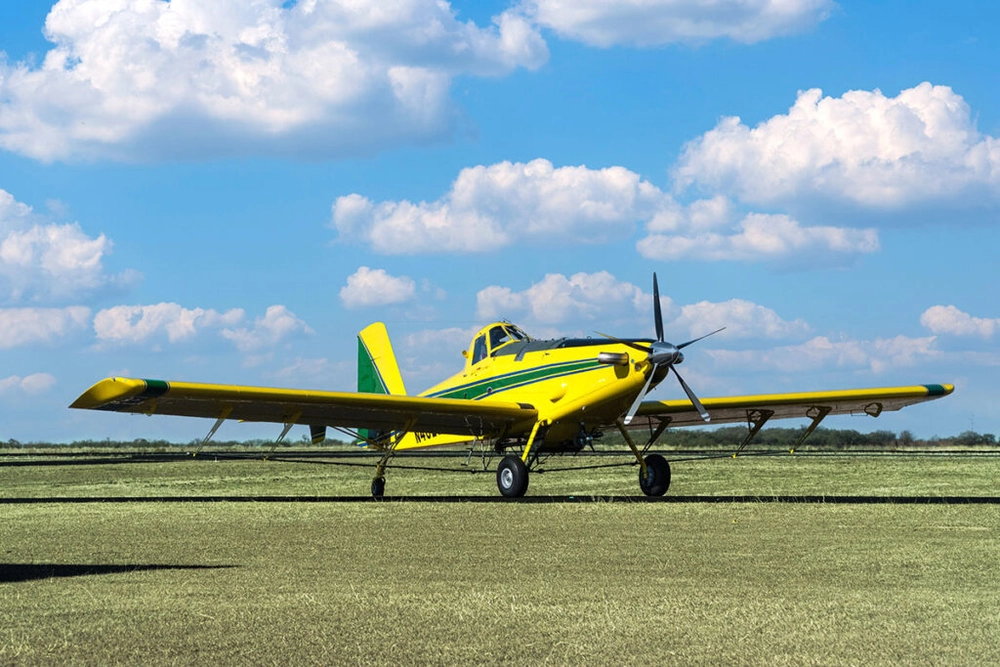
[{"x": 229, "y": 191}]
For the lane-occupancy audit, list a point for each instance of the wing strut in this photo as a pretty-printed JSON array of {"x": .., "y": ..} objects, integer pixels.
[
  {"x": 215, "y": 427},
  {"x": 288, "y": 427},
  {"x": 755, "y": 421},
  {"x": 662, "y": 426},
  {"x": 816, "y": 413}
]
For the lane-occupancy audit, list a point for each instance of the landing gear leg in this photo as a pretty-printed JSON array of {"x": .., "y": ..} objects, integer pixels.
[
  {"x": 378, "y": 484},
  {"x": 512, "y": 473},
  {"x": 654, "y": 471},
  {"x": 388, "y": 447}
]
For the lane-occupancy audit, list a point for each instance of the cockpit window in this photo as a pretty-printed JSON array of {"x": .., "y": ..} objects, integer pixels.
[
  {"x": 498, "y": 336},
  {"x": 516, "y": 334},
  {"x": 479, "y": 350},
  {"x": 505, "y": 333}
]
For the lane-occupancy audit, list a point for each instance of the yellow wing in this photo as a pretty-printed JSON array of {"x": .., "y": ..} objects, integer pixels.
[
  {"x": 810, "y": 405},
  {"x": 319, "y": 408}
]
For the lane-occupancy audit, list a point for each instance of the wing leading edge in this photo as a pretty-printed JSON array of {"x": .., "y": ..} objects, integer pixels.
[
  {"x": 730, "y": 409},
  {"x": 327, "y": 408}
]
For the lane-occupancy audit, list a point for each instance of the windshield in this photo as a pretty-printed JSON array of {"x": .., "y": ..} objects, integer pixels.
[
  {"x": 498, "y": 337},
  {"x": 502, "y": 334}
]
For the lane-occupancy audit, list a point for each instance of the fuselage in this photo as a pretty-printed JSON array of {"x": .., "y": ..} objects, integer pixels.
[{"x": 575, "y": 384}]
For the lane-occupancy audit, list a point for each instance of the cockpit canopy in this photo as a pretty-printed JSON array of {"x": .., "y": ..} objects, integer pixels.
[{"x": 493, "y": 337}]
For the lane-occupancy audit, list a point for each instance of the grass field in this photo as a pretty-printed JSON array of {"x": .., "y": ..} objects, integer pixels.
[{"x": 500, "y": 582}]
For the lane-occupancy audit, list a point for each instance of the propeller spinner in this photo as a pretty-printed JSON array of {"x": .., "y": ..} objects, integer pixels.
[{"x": 661, "y": 353}]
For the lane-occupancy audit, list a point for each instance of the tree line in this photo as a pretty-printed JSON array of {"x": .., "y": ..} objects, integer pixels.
[
  {"x": 683, "y": 439},
  {"x": 820, "y": 439}
]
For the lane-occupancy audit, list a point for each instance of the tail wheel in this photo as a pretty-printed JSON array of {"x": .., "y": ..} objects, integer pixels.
[
  {"x": 656, "y": 481},
  {"x": 512, "y": 477}
]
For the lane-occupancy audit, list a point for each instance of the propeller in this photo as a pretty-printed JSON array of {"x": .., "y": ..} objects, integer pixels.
[{"x": 661, "y": 353}]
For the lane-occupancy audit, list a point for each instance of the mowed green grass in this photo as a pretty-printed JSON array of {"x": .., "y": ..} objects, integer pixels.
[
  {"x": 501, "y": 582},
  {"x": 211, "y": 474}
]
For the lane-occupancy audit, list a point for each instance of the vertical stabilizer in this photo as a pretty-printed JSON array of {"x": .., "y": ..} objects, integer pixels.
[{"x": 378, "y": 372}]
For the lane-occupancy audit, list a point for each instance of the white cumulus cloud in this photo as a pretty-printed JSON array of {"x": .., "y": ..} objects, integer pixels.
[
  {"x": 822, "y": 353},
  {"x": 46, "y": 262},
  {"x": 375, "y": 287},
  {"x": 763, "y": 237},
  {"x": 36, "y": 383},
  {"x": 277, "y": 324},
  {"x": 24, "y": 326},
  {"x": 742, "y": 319},
  {"x": 557, "y": 299},
  {"x": 136, "y": 324},
  {"x": 145, "y": 79},
  {"x": 11, "y": 210},
  {"x": 657, "y": 22},
  {"x": 600, "y": 297},
  {"x": 863, "y": 147},
  {"x": 489, "y": 207},
  {"x": 951, "y": 320}
]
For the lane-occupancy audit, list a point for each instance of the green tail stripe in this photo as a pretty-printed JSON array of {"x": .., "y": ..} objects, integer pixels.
[
  {"x": 369, "y": 382},
  {"x": 369, "y": 379}
]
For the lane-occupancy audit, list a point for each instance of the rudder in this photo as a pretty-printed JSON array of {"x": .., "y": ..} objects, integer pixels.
[{"x": 378, "y": 371}]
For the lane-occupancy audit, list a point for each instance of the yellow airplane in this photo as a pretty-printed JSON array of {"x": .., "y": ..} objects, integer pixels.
[{"x": 516, "y": 395}]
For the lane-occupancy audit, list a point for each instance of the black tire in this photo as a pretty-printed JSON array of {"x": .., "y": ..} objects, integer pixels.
[
  {"x": 378, "y": 488},
  {"x": 512, "y": 477},
  {"x": 657, "y": 478}
]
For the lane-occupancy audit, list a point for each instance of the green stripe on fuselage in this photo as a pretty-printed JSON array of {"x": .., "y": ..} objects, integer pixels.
[{"x": 499, "y": 383}]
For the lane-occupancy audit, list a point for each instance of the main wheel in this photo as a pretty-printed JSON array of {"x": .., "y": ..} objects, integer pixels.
[
  {"x": 378, "y": 488},
  {"x": 656, "y": 481},
  {"x": 512, "y": 477}
]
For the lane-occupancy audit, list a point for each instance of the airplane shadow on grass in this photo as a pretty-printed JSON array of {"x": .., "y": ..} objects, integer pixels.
[{"x": 15, "y": 572}]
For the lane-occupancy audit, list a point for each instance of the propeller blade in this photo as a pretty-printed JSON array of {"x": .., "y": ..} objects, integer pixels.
[
  {"x": 634, "y": 346},
  {"x": 662, "y": 353},
  {"x": 657, "y": 315},
  {"x": 638, "y": 399},
  {"x": 690, "y": 394},
  {"x": 683, "y": 345}
]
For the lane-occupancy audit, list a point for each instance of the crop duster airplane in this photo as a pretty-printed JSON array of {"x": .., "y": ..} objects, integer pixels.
[{"x": 519, "y": 396}]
